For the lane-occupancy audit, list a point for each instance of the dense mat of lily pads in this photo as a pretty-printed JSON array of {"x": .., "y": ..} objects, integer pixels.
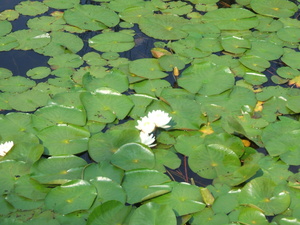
[{"x": 134, "y": 124}]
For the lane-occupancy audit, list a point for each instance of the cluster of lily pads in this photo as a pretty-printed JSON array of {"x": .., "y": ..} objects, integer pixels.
[{"x": 235, "y": 73}]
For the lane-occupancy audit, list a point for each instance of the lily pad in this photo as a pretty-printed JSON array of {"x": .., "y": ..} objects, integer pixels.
[
  {"x": 65, "y": 60},
  {"x": 71, "y": 196},
  {"x": 251, "y": 215},
  {"x": 7, "y": 43},
  {"x": 112, "y": 42},
  {"x": 206, "y": 79},
  {"x": 105, "y": 214},
  {"x": 285, "y": 143},
  {"x": 133, "y": 156},
  {"x": 103, "y": 145},
  {"x": 147, "y": 68},
  {"x": 262, "y": 193},
  {"x": 145, "y": 184},
  {"x": 151, "y": 87},
  {"x": 91, "y": 17},
  {"x": 38, "y": 72},
  {"x": 274, "y": 8},
  {"x": 16, "y": 84},
  {"x": 255, "y": 63},
  {"x": 164, "y": 27},
  {"x": 10, "y": 170},
  {"x": 184, "y": 199},
  {"x": 6, "y": 27},
  {"x": 28, "y": 101},
  {"x": 265, "y": 49},
  {"x": 231, "y": 18},
  {"x": 31, "y": 8},
  {"x": 59, "y": 114},
  {"x": 236, "y": 45},
  {"x": 58, "y": 169},
  {"x": 30, "y": 39},
  {"x": 107, "y": 190},
  {"x": 61, "y": 4},
  {"x": 292, "y": 59},
  {"x": 106, "y": 105},
  {"x": 62, "y": 43},
  {"x": 9, "y": 15},
  {"x": 154, "y": 214},
  {"x": 213, "y": 160},
  {"x": 64, "y": 139}
]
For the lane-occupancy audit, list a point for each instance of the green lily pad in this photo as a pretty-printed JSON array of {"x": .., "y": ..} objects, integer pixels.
[
  {"x": 140, "y": 105},
  {"x": 10, "y": 171},
  {"x": 151, "y": 87},
  {"x": 26, "y": 152},
  {"x": 209, "y": 44},
  {"x": 134, "y": 14},
  {"x": 262, "y": 193},
  {"x": 287, "y": 72},
  {"x": 198, "y": 30},
  {"x": 289, "y": 34},
  {"x": 16, "y": 84},
  {"x": 206, "y": 79},
  {"x": 154, "y": 214},
  {"x": 268, "y": 24},
  {"x": 9, "y": 15},
  {"x": 292, "y": 59},
  {"x": 6, "y": 27},
  {"x": 114, "y": 79},
  {"x": 38, "y": 72},
  {"x": 21, "y": 203},
  {"x": 28, "y": 101},
  {"x": 186, "y": 145},
  {"x": 184, "y": 199},
  {"x": 64, "y": 139},
  {"x": 251, "y": 215},
  {"x": 61, "y": 4},
  {"x": 5, "y": 73},
  {"x": 58, "y": 114},
  {"x": 177, "y": 8},
  {"x": 103, "y": 169},
  {"x": 31, "y": 8},
  {"x": 105, "y": 214},
  {"x": 65, "y": 60},
  {"x": 255, "y": 78},
  {"x": 285, "y": 144},
  {"x": 213, "y": 160},
  {"x": 7, "y": 43},
  {"x": 147, "y": 68},
  {"x": 208, "y": 217},
  {"x": 265, "y": 49},
  {"x": 169, "y": 62},
  {"x": 188, "y": 48},
  {"x": 46, "y": 23},
  {"x": 71, "y": 196},
  {"x": 165, "y": 158},
  {"x": 62, "y": 43},
  {"x": 145, "y": 184},
  {"x": 106, "y": 105},
  {"x": 274, "y": 8},
  {"x": 164, "y": 27},
  {"x": 91, "y": 17},
  {"x": 107, "y": 190},
  {"x": 58, "y": 169},
  {"x": 133, "y": 156},
  {"x": 29, "y": 188},
  {"x": 231, "y": 19},
  {"x": 236, "y": 45},
  {"x": 103, "y": 145},
  {"x": 30, "y": 39},
  {"x": 255, "y": 62},
  {"x": 112, "y": 42}
]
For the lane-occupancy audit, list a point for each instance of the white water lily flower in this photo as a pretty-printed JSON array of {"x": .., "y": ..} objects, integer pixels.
[
  {"x": 160, "y": 118},
  {"x": 145, "y": 125},
  {"x": 147, "y": 139},
  {"x": 5, "y": 147}
]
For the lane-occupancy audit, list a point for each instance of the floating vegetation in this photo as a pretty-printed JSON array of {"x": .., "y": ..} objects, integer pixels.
[{"x": 102, "y": 133}]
